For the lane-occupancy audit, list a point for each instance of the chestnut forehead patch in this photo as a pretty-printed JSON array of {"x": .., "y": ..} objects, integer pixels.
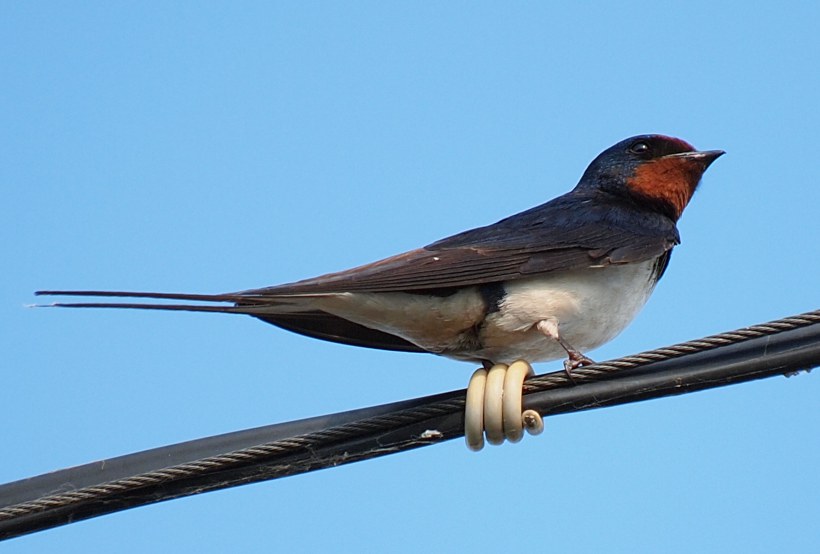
[{"x": 675, "y": 144}]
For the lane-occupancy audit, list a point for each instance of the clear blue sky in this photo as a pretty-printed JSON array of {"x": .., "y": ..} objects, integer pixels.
[{"x": 211, "y": 147}]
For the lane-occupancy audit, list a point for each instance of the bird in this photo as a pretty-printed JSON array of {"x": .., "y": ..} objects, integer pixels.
[{"x": 554, "y": 281}]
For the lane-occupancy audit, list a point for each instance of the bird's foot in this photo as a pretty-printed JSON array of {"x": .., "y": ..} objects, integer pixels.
[
  {"x": 575, "y": 360},
  {"x": 493, "y": 408}
]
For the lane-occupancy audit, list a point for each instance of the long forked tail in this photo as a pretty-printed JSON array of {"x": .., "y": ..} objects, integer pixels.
[
  {"x": 241, "y": 304},
  {"x": 293, "y": 312}
]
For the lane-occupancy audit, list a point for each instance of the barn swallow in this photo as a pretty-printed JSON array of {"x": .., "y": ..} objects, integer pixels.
[{"x": 551, "y": 282}]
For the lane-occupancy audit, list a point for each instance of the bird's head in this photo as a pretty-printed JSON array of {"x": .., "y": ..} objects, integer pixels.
[{"x": 654, "y": 171}]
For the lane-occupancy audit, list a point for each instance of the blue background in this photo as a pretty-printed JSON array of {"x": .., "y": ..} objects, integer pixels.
[{"x": 209, "y": 147}]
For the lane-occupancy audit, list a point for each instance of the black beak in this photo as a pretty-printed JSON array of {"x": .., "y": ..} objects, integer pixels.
[{"x": 704, "y": 158}]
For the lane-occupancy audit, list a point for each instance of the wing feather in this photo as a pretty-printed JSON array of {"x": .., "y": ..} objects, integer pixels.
[{"x": 566, "y": 233}]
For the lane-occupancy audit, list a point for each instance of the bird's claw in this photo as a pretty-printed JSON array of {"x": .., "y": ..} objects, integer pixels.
[{"x": 575, "y": 360}]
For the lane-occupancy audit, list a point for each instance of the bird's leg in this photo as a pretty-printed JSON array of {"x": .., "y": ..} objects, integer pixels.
[
  {"x": 575, "y": 358},
  {"x": 493, "y": 406}
]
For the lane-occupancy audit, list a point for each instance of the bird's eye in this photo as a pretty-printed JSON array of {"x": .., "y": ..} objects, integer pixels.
[{"x": 641, "y": 148}]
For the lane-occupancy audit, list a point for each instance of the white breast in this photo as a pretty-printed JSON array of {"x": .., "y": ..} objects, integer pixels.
[{"x": 591, "y": 307}]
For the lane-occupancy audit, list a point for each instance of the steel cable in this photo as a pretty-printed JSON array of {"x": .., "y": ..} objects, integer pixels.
[{"x": 42, "y": 502}]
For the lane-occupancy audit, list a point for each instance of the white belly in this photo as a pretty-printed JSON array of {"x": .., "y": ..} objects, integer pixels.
[{"x": 591, "y": 307}]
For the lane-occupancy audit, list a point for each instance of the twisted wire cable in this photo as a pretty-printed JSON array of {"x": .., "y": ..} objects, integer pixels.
[{"x": 362, "y": 438}]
